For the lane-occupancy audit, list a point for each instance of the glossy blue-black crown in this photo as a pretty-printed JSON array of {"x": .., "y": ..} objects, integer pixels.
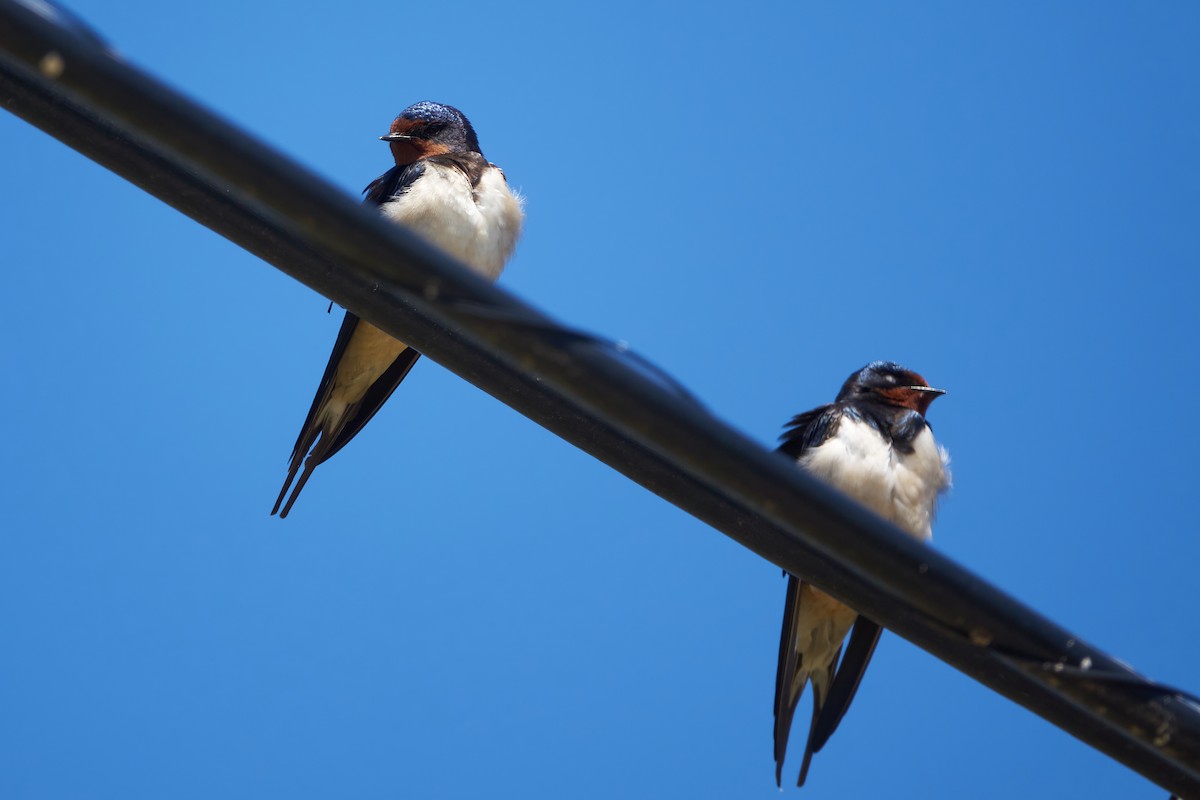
[
  {"x": 878, "y": 375},
  {"x": 443, "y": 123}
]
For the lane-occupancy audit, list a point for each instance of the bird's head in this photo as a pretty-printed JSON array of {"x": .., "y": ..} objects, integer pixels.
[
  {"x": 428, "y": 129},
  {"x": 890, "y": 383}
]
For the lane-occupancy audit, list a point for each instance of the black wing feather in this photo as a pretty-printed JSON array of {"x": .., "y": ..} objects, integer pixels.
[
  {"x": 808, "y": 430},
  {"x": 392, "y": 183},
  {"x": 802, "y": 433},
  {"x": 785, "y": 706},
  {"x": 309, "y": 430},
  {"x": 311, "y": 448}
]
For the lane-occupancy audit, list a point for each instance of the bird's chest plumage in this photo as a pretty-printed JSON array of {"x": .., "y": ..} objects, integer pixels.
[
  {"x": 478, "y": 224},
  {"x": 901, "y": 486}
]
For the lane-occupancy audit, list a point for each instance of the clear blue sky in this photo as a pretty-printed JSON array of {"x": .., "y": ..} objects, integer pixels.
[{"x": 758, "y": 198}]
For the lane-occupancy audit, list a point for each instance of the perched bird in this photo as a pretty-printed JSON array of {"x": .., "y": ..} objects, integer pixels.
[
  {"x": 444, "y": 190},
  {"x": 874, "y": 444}
]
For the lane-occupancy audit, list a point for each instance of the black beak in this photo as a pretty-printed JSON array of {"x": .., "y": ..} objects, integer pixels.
[
  {"x": 395, "y": 137},
  {"x": 927, "y": 390}
]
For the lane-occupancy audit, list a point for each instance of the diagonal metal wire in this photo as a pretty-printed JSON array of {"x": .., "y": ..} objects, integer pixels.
[{"x": 61, "y": 77}]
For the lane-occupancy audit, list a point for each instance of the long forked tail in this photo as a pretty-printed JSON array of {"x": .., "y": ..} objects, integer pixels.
[
  {"x": 310, "y": 464},
  {"x": 831, "y": 700},
  {"x": 809, "y": 749}
]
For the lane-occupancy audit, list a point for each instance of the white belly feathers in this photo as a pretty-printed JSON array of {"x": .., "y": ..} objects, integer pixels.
[
  {"x": 477, "y": 227},
  {"x": 902, "y": 487}
]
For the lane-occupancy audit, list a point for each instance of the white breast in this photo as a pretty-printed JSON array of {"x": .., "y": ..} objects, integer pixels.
[
  {"x": 477, "y": 227},
  {"x": 902, "y": 487}
]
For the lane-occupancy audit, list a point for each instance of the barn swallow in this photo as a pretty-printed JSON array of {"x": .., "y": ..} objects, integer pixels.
[
  {"x": 444, "y": 190},
  {"x": 874, "y": 444}
]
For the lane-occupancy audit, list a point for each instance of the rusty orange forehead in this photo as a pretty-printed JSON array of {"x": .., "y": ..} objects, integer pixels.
[{"x": 403, "y": 125}]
